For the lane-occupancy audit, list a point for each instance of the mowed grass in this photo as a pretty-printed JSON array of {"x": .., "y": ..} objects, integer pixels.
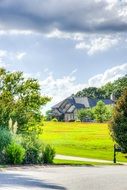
[{"x": 91, "y": 140}]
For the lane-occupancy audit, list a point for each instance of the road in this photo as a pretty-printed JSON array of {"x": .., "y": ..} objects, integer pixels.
[{"x": 64, "y": 178}]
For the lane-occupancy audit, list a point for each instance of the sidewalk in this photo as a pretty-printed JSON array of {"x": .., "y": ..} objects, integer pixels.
[{"x": 75, "y": 158}]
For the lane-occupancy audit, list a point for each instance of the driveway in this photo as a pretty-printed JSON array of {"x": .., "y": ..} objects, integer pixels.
[{"x": 64, "y": 177}]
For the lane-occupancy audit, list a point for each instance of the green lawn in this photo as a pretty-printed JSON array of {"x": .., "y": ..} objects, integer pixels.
[
  {"x": 80, "y": 163},
  {"x": 90, "y": 140}
]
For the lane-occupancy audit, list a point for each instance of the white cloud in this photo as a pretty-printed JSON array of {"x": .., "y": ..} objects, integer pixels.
[
  {"x": 63, "y": 87},
  {"x": 99, "y": 44},
  {"x": 109, "y": 75},
  {"x": 3, "y": 54},
  {"x": 60, "y": 88},
  {"x": 56, "y": 33},
  {"x": 20, "y": 55},
  {"x": 16, "y": 32}
]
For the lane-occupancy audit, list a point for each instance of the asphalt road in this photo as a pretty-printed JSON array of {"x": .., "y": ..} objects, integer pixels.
[{"x": 72, "y": 178}]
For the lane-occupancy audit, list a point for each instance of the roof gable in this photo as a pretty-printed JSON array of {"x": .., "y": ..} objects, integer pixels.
[{"x": 70, "y": 103}]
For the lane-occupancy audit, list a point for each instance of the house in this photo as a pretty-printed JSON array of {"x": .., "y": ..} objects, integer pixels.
[{"x": 67, "y": 109}]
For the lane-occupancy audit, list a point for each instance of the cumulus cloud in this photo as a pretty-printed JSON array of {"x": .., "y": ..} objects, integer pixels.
[
  {"x": 109, "y": 75},
  {"x": 66, "y": 15},
  {"x": 3, "y": 54},
  {"x": 20, "y": 55},
  {"x": 66, "y": 19},
  {"x": 59, "y": 88},
  {"x": 97, "y": 44},
  {"x": 63, "y": 87}
]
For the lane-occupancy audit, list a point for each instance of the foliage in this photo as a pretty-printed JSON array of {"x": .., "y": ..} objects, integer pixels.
[
  {"x": 48, "y": 154},
  {"x": 5, "y": 138},
  {"x": 100, "y": 112},
  {"x": 109, "y": 112},
  {"x": 107, "y": 90},
  {"x": 34, "y": 128},
  {"x": 118, "y": 125},
  {"x": 33, "y": 147},
  {"x": 117, "y": 88},
  {"x": 55, "y": 119},
  {"x": 85, "y": 114},
  {"x": 91, "y": 92},
  {"x": 20, "y": 99},
  {"x": 37, "y": 152},
  {"x": 48, "y": 116},
  {"x": 15, "y": 153}
]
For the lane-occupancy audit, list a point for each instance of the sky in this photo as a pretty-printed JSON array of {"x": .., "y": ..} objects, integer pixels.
[{"x": 66, "y": 44}]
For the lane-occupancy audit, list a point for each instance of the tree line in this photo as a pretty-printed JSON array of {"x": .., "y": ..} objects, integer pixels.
[{"x": 116, "y": 88}]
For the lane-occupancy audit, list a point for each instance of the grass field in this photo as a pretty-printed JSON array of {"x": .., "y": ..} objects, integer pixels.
[
  {"x": 90, "y": 140},
  {"x": 80, "y": 163}
]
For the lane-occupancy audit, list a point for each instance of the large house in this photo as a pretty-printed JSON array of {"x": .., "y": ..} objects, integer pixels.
[{"x": 67, "y": 109}]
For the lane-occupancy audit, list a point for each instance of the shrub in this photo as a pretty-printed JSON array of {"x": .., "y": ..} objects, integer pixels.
[
  {"x": 15, "y": 153},
  {"x": 33, "y": 149},
  {"x": 100, "y": 112},
  {"x": 85, "y": 115},
  {"x": 5, "y": 138},
  {"x": 118, "y": 125},
  {"x": 54, "y": 120},
  {"x": 77, "y": 120},
  {"x": 48, "y": 154}
]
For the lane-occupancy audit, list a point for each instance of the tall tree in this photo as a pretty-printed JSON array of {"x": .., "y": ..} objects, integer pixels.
[
  {"x": 118, "y": 125},
  {"x": 100, "y": 111},
  {"x": 20, "y": 99}
]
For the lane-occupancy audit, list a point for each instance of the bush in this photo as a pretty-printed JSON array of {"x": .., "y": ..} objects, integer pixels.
[
  {"x": 54, "y": 120},
  {"x": 15, "y": 153},
  {"x": 5, "y": 138},
  {"x": 37, "y": 152},
  {"x": 100, "y": 112},
  {"x": 85, "y": 115},
  {"x": 48, "y": 154},
  {"x": 33, "y": 149},
  {"x": 118, "y": 125}
]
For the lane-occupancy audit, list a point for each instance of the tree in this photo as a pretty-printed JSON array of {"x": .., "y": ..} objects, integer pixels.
[
  {"x": 118, "y": 125},
  {"x": 85, "y": 114},
  {"x": 20, "y": 99},
  {"x": 119, "y": 86},
  {"x": 107, "y": 90},
  {"x": 48, "y": 116},
  {"x": 100, "y": 111}
]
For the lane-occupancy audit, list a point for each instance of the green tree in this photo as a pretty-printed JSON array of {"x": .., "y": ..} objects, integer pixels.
[
  {"x": 100, "y": 111},
  {"x": 85, "y": 114},
  {"x": 48, "y": 116},
  {"x": 20, "y": 99},
  {"x": 107, "y": 90},
  {"x": 118, "y": 125},
  {"x": 119, "y": 86}
]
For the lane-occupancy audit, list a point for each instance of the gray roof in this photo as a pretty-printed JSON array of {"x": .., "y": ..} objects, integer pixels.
[{"x": 72, "y": 103}]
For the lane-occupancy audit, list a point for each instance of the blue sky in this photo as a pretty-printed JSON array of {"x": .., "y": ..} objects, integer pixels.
[{"x": 67, "y": 45}]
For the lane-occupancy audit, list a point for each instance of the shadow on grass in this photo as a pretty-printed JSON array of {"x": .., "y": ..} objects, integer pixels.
[
  {"x": 69, "y": 164},
  {"x": 16, "y": 181}
]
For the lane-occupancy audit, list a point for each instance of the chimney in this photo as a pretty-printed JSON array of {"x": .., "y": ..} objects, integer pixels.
[{"x": 112, "y": 97}]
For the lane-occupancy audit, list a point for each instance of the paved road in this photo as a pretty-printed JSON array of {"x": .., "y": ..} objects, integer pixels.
[{"x": 64, "y": 178}]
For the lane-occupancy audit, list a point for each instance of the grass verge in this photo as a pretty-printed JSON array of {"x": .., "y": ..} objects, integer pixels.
[
  {"x": 90, "y": 140},
  {"x": 81, "y": 163}
]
